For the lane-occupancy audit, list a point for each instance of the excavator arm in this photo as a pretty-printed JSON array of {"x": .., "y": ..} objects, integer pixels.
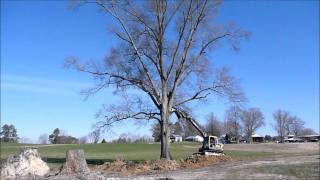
[
  {"x": 208, "y": 147},
  {"x": 183, "y": 114}
]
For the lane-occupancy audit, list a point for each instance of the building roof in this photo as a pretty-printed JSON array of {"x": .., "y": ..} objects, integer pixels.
[
  {"x": 193, "y": 137},
  {"x": 256, "y": 135},
  {"x": 315, "y": 135},
  {"x": 175, "y": 135}
]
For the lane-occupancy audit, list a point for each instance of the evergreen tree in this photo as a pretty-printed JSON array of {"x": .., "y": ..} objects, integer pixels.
[{"x": 9, "y": 133}]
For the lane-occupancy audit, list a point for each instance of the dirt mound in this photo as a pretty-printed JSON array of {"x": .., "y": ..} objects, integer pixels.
[
  {"x": 197, "y": 160},
  {"x": 24, "y": 163},
  {"x": 122, "y": 166},
  {"x": 194, "y": 161},
  {"x": 164, "y": 165},
  {"x": 116, "y": 166}
]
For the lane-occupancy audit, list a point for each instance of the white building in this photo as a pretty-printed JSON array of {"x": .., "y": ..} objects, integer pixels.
[
  {"x": 196, "y": 138},
  {"x": 175, "y": 138},
  {"x": 257, "y": 138}
]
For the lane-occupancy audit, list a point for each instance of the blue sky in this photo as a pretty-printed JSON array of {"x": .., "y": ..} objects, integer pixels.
[{"x": 278, "y": 67}]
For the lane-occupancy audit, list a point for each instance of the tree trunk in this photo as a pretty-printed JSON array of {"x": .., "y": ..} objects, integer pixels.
[
  {"x": 165, "y": 133},
  {"x": 237, "y": 132},
  {"x": 75, "y": 162}
]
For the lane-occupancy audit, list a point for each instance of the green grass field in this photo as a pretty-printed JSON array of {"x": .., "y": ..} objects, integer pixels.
[{"x": 99, "y": 153}]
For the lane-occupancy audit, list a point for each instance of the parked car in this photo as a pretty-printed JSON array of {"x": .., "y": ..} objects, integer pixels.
[{"x": 294, "y": 139}]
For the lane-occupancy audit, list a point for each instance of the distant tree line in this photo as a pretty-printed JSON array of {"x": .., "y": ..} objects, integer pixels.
[
  {"x": 239, "y": 125},
  {"x": 56, "y": 138},
  {"x": 287, "y": 124},
  {"x": 129, "y": 138},
  {"x": 59, "y": 137},
  {"x": 237, "y": 122}
]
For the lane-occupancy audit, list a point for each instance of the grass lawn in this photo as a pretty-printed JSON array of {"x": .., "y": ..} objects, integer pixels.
[
  {"x": 99, "y": 153},
  {"x": 248, "y": 154}
]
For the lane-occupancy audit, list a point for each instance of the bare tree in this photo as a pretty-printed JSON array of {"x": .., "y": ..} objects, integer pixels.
[
  {"x": 288, "y": 126},
  {"x": 282, "y": 118},
  {"x": 252, "y": 119},
  {"x": 156, "y": 132},
  {"x": 233, "y": 122},
  {"x": 95, "y": 135},
  {"x": 127, "y": 137},
  {"x": 177, "y": 128},
  {"x": 213, "y": 126},
  {"x": 296, "y": 125},
  {"x": 307, "y": 131},
  {"x": 187, "y": 128},
  {"x": 43, "y": 139},
  {"x": 163, "y": 52},
  {"x": 83, "y": 140}
]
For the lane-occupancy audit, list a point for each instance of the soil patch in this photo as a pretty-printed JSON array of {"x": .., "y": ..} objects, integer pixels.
[
  {"x": 128, "y": 167},
  {"x": 197, "y": 161}
]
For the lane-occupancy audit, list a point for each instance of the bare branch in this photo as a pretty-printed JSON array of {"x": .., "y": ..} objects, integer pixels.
[
  {"x": 122, "y": 23},
  {"x": 131, "y": 108},
  {"x": 186, "y": 48}
]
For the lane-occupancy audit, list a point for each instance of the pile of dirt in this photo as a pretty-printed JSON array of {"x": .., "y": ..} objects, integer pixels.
[
  {"x": 128, "y": 167},
  {"x": 24, "y": 163},
  {"x": 118, "y": 165},
  {"x": 198, "y": 160},
  {"x": 164, "y": 165}
]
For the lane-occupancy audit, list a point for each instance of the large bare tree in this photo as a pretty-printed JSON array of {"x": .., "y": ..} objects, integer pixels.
[
  {"x": 307, "y": 131},
  {"x": 162, "y": 60},
  {"x": 252, "y": 119},
  {"x": 213, "y": 126},
  {"x": 232, "y": 124},
  {"x": 296, "y": 125},
  {"x": 282, "y": 118},
  {"x": 95, "y": 136}
]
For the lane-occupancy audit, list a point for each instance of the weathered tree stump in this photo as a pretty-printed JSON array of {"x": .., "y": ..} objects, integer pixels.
[
  {"x": 24, "y": 163},
  {"x": 75, "y": 162}
]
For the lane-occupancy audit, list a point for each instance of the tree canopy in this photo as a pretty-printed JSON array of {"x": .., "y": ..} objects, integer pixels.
[
  {"x": 9, "y": 133},
  {"x": 163, "y": 52}
]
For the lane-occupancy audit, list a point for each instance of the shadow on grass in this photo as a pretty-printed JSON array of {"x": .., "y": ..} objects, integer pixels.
[{"x": 89, "y": 161}]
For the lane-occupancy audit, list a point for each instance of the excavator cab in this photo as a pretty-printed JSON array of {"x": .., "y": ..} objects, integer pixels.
[{"x": 211, "y": 145}]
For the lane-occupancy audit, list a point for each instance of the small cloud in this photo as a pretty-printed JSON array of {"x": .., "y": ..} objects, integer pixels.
[{"x": 41, "y": 85}]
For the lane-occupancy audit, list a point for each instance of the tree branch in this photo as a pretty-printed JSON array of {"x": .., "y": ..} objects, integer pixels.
[
  {"x": 131, "y": 42},
  {"x": 186, "y": 49}
]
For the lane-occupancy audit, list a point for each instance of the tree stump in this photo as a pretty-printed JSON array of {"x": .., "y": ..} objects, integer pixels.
[
  {"x": 75, "y": 162},
  {"x": 22, "y": 164}
]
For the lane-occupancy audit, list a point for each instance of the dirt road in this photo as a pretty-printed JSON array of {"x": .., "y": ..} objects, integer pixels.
[{"x": 281, "y": 148}]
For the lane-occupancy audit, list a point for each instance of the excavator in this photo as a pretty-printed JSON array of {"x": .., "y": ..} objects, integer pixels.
[{"x": 210, "y": 144}]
